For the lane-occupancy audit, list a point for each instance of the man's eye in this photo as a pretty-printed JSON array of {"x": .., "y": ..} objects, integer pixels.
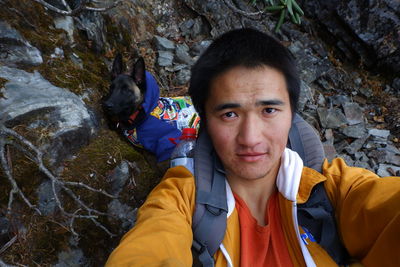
[
  {"x": 269, "y": 110},
  {"x": 229, "y": 114}
]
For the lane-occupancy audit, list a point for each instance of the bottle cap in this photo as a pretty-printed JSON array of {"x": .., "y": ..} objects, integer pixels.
[{"x": 188, "y": 133}]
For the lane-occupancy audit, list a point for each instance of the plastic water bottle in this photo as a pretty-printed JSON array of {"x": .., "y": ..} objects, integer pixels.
[{"x": 183, "y": 154}]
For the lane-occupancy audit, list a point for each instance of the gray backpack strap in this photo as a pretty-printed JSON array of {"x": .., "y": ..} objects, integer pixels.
[
  {"x": 317, "y": 217},
  {"x": 304, "y": 139},
  {"x": 209, "y": 219}
]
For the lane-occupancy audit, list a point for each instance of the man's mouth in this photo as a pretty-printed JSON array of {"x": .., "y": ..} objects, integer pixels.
[{"x": 251, "y": 157}]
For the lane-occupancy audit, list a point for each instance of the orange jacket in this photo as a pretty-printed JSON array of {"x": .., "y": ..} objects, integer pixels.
[{"x": 367, "y": 210}]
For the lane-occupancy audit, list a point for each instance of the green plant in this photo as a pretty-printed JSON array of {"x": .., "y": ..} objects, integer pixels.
[{"x": 285, "y": 7}]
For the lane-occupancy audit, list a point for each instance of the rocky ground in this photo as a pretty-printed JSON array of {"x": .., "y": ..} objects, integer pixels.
[{"x": 68, "y": 182}]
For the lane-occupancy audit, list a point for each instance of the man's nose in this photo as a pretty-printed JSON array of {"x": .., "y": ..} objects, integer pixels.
[{"x": 250, "y": 132}]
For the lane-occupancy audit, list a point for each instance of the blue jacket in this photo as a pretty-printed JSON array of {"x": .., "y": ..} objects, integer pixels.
[{"x": 153, "y": 134}]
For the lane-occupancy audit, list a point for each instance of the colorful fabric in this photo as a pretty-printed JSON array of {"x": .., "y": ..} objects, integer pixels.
[{"x": 165, "y": 118}]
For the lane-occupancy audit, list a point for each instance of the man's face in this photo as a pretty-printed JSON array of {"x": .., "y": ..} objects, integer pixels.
[{"x": 248, "y": 117}]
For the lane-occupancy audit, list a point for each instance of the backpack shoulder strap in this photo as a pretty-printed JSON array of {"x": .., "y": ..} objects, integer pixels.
[
  {"x": 304, "y": 139},
  {"x": 317, "y": 217},
  {"x": 211, "y": 204}
]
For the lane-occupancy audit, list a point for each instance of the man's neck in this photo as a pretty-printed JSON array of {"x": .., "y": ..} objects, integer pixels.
[{"x": 255, "y": 193}]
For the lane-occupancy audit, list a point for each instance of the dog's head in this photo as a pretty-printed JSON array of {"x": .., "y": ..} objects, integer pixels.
[{"x": 126, "y": 91}]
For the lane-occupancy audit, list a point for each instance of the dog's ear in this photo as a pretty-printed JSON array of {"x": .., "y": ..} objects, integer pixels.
[
  {"x": 118, "y": 66},
  {"x": 138, "y": 71}
]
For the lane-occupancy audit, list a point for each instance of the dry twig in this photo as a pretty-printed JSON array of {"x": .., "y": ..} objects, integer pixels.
[
  {"x": 9, "y": 137},
  {"x": 83, "y": 5}
]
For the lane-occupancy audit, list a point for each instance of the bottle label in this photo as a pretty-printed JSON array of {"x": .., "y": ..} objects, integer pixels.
[{"x": 188, "y": 163}]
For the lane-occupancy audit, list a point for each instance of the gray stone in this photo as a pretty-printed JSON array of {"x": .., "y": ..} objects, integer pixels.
[
  {"x": 338, "y": 100},
  {"x": 329, "y": 136},
  {"x": 71, "y": 258},
  {"x": 58, "y": 53},
  {"x": 182, "y": 54},
  {"x": 354, "y": 131},
  {"x": 183, "y": 76},
  {"x": 391, "y": 149},
  {"x": 349, "y": 161},
  {"x": 396, "y": 84},
  {"x": 341, "y": 146},
  {"x": 165, "y": 58},
  {"x": 163, "y": 44},
  {"x": 331, "y": 118},
  {"x": 200, "y": 47},
  {"x": 321, "y": 100},
  {"x": 118, "y": 177},
  {"x": 379, "y": 155},
  {"x": 47, "y": 202},
  {"x": 379, "y": 136},
  {"x": 122, "y": 212},
  {"x": 386, "y": 169},
  {"x": 92, "y": 23},
  {"x": 356, "y": 145},
  {"x": 330, "y": 151},
  {"x": 30, "y": 99},
  {"x": 366, "y": 91},
  {"x": 66, "y": 23},
  {"x": 306, "y": 95},
  {"x": 363, "y": 164},
  {"x": 15, "y": 50},
  {"x": 392, "y": 159},
  {"x": 354, "y": 113}
]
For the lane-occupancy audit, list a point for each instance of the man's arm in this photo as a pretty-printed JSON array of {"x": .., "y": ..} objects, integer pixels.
[
  {"x": 162, "y": 235},
  {"x": 368, "y": 212}
]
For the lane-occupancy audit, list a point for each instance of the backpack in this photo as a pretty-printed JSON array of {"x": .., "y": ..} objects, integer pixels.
[{"x": 316, "y": 216}]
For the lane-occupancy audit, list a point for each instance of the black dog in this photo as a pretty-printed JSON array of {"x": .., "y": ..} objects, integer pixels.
[
  {"x": 123, "y": 103},
  {"x": 134, "y": 107}
]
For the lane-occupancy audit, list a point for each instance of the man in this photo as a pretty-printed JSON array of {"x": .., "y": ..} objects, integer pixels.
[{"x": 245, "y": 88}]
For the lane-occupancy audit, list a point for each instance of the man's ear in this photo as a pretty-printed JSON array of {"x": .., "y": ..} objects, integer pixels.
[
  {"x": 117, "y": 67},
  {"x": 138, "y": 71}
]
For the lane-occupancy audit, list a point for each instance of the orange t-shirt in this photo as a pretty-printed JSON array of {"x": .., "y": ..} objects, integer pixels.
[{"x": 262, "y": 245}]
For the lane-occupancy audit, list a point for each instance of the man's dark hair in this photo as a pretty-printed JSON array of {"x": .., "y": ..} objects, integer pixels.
[{"x": 242, "y": 47}]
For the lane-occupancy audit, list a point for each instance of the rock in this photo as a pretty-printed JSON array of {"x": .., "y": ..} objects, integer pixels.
[
  {"x": 330, "y": 151},
  {"x": 396, "y": 84},
  {"x": 354, "y": 131},
  {"x": 182, "y": 54},
  {"x": 338, "y": 100},
  {"x": 182, "y": 77},
  {"x": 47, "y": 202},
  {"x": 353, "y": 112},
  {"x": 15, "y": 50},
  {"x": 331, "y": 118},
  {"x": 329, "y": 136},
  {"x": 67, "y": 24},
  {"x": 92, "y": 23},
  {"x": 379, "y": 136},
  {"x": 200, "y": 47},
  {"x": 123, "y": 212},
  {"x": 306, "y": 95},
  {"x": 58, "y": 53},
  {"x": 363, "y": 164},
  {"x": 31, "y": 100},
  {"x": 163, "y": 44},
  {"x": 387, "y": 170},
  {"x": 356, "y": 145},
  {"x": 195, "y": 28},
  {"x": 71, "y": 258},
  {"x": 118, "y": 177},
  {"x": 165, "y": 58},
  {"x": 358, "y": 27}
]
